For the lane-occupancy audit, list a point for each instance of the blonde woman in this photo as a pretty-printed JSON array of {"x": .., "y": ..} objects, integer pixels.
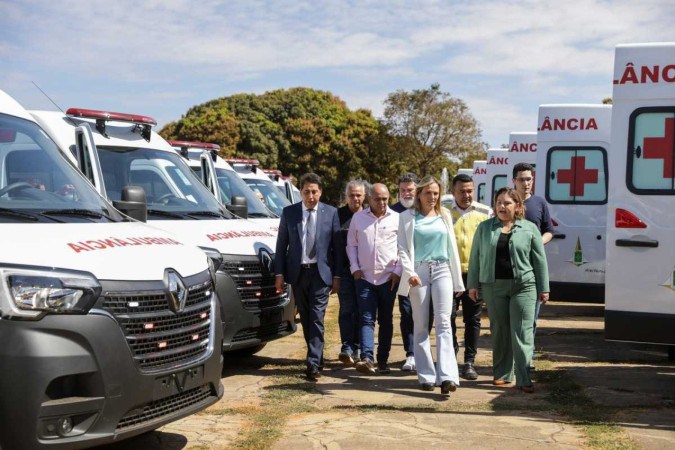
[{"x": 431, "y": 272}]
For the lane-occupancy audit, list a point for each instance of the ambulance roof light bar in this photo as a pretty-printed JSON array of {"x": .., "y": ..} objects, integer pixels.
[
  {"x": 185, "y": 145},
  {"x": 143, "y": 124},
  {"x": 274, "y": 174},
  {"x": 252, "y": 163}
]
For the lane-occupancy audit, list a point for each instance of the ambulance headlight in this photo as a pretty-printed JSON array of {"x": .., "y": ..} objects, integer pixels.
[{"x": 34, "y": 293}]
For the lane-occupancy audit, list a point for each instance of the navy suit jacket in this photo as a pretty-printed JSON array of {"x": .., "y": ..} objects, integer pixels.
[{"x": 288, "y": 254}]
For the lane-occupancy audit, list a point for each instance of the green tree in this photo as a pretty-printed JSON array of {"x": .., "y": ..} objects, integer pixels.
[
  {"x": 435, "y": 129},
  {"x": 211, "y": 122}
]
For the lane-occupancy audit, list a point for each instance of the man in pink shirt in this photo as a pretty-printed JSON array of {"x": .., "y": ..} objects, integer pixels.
[{"x": 373, "y": 255}]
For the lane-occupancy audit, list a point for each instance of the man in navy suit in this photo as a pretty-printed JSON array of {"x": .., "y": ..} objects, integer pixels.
[{"x": 309, "y": 257}]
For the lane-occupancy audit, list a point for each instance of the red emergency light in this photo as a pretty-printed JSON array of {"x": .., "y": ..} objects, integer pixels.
[
  {"x": 111, "y": 116},
  {"x": 194, "y": 144},
  {"x": 185, "y": 145},
  {"x": 272, "y": 171},
  {"x": 253, "y": 162},
  {"x": 626, "y": 219},
  {"x": 143, "y": 124}
]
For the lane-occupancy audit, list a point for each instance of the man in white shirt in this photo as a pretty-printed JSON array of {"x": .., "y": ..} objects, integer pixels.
[{"x": 373, "y": 255}]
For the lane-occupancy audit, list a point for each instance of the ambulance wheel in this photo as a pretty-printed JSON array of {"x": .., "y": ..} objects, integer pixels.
[{"x": 248, "y": 351}]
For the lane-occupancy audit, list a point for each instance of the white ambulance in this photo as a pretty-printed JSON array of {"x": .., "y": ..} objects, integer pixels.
[
  {"x": 252, "y": 174},
  {"x": 640, "y": 276},
  {"x": 285, "y": 184},
  {"x": 522, "y": 149},
  {"x": 109, "y": 327},
  {"x": 224, "y": 182},
  {"x": 465, "y": 171},
  {"x": 573, "y": 146},
  {"x": 126, "y": 151},
  {"x": 479, "y": 175},
  {"x": 496, "y": 173}
]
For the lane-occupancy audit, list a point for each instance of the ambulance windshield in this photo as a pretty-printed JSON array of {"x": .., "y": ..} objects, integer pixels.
[
  {"x": 172, "y": 190},
  {"x": 37, "y": 184},
  {"x": 274, "y": 199},
  {"x": 230, "y": 184}
]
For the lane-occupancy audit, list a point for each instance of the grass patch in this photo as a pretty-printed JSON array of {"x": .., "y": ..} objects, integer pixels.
[{"x": 568, "y": 399}]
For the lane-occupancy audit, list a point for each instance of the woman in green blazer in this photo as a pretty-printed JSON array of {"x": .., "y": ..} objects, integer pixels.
[{"x": 508, "y": 265}]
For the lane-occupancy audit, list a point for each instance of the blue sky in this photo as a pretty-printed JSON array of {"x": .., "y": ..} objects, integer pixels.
[{"x": 160, "y": 57}]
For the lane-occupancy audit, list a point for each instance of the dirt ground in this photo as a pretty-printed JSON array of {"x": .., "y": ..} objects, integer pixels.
[{"x": 590, "y": 394}]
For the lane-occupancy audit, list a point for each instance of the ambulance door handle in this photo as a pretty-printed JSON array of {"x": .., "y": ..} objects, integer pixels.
[
  {"x": 635, "y": 243},
  {"x": 559, "y": 236}
]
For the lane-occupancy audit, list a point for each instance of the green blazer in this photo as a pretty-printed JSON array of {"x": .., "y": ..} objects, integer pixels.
[{"x": 525, "y": 247}]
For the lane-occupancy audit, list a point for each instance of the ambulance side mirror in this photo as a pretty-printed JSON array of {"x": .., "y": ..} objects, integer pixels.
[
  {"x": 238, "y": 206},
  {"x": 133, "y": 203}
]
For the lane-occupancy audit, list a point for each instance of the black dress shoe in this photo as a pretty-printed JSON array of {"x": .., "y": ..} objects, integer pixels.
[
  {"x": 427, "y": 387},
  {"x": 313, "y": 373},
  {"x": 468, "y": 372},
  {"x": 447, "y": 387}
]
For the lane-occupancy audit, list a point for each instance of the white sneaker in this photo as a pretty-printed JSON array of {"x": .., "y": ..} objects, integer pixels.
[{"x": 409, "y": 365}]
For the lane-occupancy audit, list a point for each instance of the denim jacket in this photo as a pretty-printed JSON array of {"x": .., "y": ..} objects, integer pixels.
[{"x": 525, "y": 248}]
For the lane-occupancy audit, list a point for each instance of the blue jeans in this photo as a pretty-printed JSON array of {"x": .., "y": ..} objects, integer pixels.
[
  {"x": 348, "y": 317},
  {"x": 376, "y": 302}
]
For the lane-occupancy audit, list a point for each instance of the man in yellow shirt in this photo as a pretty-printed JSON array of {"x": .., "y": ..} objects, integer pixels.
[{"x": 466, "y": 215}]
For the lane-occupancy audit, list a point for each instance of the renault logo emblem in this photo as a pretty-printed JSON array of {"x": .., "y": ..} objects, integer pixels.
[
  {"x": 266, "y": 260},
  {"x": 177, "y": 292}
]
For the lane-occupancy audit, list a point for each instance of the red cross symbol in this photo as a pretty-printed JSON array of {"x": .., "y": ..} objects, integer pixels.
[
  {"x": 583, "y": 176},
  {"x": 662, "y": 148}
]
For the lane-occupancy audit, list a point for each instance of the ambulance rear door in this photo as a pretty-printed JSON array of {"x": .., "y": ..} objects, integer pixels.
[
  {"x": 522, "y": 149},
  {"x": 478, "y": 176},
  {"x": 496, "y": 176},
  {"x": 640, "y": 278},
  {"x": 573, "y": 143}
]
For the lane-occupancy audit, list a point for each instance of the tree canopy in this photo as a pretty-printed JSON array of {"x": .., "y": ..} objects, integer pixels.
[{"x": 302, "y": 130}]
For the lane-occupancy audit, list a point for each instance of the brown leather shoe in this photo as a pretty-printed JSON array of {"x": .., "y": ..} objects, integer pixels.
[
  {"x": 527, "y": 389},
  {"x": 500, "y": 382}
]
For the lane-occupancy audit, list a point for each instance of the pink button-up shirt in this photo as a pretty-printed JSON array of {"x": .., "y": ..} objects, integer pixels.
[{"x": 372, "y": 245}]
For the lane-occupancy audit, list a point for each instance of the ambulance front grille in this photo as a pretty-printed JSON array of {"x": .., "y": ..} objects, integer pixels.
[
  {"x": 158, "y": 337},
  {"x": 170, "y": 405},
  {"x": 255, "y": 284}
]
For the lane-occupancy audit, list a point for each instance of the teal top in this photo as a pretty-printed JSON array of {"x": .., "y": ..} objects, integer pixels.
[{"x": 430, "y": 239}]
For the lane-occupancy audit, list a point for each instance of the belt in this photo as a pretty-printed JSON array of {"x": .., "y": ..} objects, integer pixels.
[{"x": 308, "y": 266}]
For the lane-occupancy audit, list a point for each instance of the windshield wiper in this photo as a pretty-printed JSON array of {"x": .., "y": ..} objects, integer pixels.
[
  {"x": 159, "y": 212},
  {"x": 261, "y": 215},
  {"x": 14, "y": 213},
  {"x": 205, "y": 213},
  {"x": 75, "y": 212}
]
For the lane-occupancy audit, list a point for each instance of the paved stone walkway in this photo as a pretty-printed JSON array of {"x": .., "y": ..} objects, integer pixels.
[{"x": 352, "y": 411}]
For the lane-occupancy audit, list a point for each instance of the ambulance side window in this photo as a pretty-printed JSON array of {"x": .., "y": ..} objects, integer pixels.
[
  {"x": 651, "y": 151},
  {"x": 576, "y": 175},
  {"x": 481, "y": 193}
]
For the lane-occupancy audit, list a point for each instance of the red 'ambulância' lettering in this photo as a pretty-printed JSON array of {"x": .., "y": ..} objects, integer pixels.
[
  {"x": 523, "y": 147},
  {"x": 498, "y": 160},
  {"x": 647, "y": 74},
  {"x": 568, "y": 124},
  {"x": 112, "y": 242}
]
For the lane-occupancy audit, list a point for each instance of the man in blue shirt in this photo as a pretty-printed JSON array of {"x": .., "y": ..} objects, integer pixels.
[{"x": 536, "y": 211}]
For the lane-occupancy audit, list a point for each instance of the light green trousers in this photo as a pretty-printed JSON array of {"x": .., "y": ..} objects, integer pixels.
[{"x": 511, "y": 311}]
